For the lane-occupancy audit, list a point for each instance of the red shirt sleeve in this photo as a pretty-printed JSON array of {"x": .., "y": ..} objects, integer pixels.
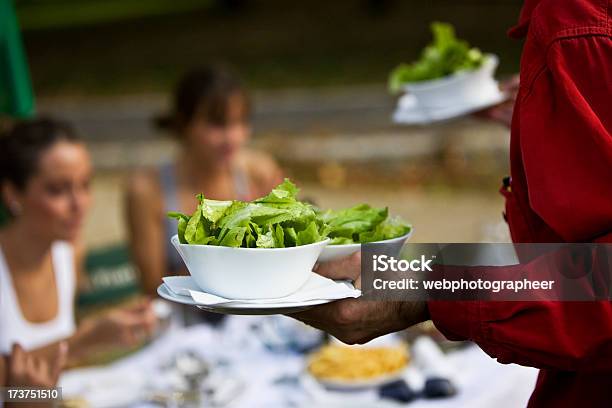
[
  {"x": 565, "y": 124},
  {"x": 572, "y": 336},
  {"x": 566, "y": 141}
]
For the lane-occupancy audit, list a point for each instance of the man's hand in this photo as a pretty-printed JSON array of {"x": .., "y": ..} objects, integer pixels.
[
  {"x": 503, "y": 112},
  {"x": 355, "y": 320}
]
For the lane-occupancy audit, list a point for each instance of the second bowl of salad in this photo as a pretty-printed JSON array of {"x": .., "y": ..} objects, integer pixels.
[
  {"x": 362, "y": 224},
  {"x": 448, "y": 73}
]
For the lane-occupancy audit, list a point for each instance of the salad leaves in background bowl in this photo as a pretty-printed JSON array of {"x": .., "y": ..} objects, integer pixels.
[
  {"x": 251, "y": 250},
  {"x": 444, "y": 56},
  {"x": 351, "y": 227},
  {"x": 448, "y": 73}
]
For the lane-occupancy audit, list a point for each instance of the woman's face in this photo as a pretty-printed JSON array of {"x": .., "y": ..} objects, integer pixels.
[
  {"x": 56, "y": 198},
  {"x": 219, "y": 144}
]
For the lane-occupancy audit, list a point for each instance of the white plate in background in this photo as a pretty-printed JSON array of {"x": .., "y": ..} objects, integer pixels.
[{"x": 409, "y": 112}]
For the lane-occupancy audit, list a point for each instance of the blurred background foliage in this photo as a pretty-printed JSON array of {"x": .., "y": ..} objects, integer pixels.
[{"x": 118, "y": 46}]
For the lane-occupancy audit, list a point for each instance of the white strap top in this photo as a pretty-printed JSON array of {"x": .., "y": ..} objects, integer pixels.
[{"x": 14, "y": 328}]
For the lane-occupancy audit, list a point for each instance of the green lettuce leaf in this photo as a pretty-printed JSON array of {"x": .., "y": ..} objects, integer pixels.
[
  {"x": 250, "y": 237},
  {"x": 349, "y": 223},
  {"x": 266, "y": 240},
  {"x": 279, "y": 236},
  {"x": 444, "y": 56},
  {"x": 275, "y": 221},
  {"x": 390, "y": 228},
  {"x": 309, "y": 235},
  {"x": 283, "y": 193},
  {"x": 195, "y": 230},
  {"x": 290, "y": 237},
  {"x": 213, "y": 210},
  {"x": 266, "y": 215},
  {"x": 341, "y": 241},
  {"x": 233, "y": 237},
  {"x": 182, "y": 224},
  {"x": 362, "y": 224}
]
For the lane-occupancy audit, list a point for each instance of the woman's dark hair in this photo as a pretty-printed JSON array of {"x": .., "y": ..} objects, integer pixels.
[
  {"x": 205, "y": 91},
  {"x": 22, "y": 145}
]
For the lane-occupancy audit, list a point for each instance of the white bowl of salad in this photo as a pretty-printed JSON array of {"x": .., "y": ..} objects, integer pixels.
[
  {"x": 448, "y": 73},
  {"x": 351, "y": 227},
  {"x": 462, "y": 88},
  {"x": 251, "y": 250},
  {"x": 249, "y": 273}
]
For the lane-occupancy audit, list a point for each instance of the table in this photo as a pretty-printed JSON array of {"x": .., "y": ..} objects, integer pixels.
[{"x": 276, "y": 379}]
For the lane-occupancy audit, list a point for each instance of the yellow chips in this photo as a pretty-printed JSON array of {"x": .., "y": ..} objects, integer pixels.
[{"x": 337, "y": 362}]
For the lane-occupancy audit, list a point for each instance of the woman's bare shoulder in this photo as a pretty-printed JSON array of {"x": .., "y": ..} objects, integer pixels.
[
  {"x": 259, "y": 162},
  {"x": 143, "y": 182},
  {"x": 142, "y": 187}
]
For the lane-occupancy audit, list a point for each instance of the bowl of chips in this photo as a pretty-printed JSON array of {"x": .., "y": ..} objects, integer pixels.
[{"x": 339, "y": 366}]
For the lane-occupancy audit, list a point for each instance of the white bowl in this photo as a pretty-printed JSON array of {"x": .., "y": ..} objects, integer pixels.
[
  {"x": 335, "y": 252},
  {"x": 461, "y": 88},
  {"x": 249, "y": 273}
]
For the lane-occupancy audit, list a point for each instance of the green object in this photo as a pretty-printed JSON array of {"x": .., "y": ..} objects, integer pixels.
[
  {"x": 4, "y": 215},
  {"x": 444, "y": 56},
  {"x": 73, "y": 13},
  {"x": 362, "y": 224},
  {"x": 277, "y": 220},
  {"x": 111, "y": 276},
  {"x": 16, "y": 96}
]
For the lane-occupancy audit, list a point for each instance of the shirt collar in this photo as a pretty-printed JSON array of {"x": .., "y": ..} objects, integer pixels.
[{"x": 520, "y": 30}]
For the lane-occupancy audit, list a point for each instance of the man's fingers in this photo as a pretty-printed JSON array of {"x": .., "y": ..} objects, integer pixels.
[
  {"x": 511, "y": 84},
  {"x": 330, "y": 314},
  {"x": 342, "y": 319},
  {"x": 315, "y": 314},
  {"x": 357, "y": 282},
  {"x": 346, "y": 268}
]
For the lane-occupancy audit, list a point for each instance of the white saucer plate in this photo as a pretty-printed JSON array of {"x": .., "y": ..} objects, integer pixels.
[
  {"x": 242, "y": 308},
  {"x": 409, "y": 112}
]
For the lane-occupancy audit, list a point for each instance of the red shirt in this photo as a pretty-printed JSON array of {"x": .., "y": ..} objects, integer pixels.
[{"x": 560, "y": 191}]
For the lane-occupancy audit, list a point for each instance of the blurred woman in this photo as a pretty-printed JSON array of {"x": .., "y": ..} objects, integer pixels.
[
  {"x": 45, "y": 171},
  {"x": 211, "y": 120}
]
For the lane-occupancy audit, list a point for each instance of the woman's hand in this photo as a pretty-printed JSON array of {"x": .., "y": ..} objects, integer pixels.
[
  {"x": 121, "y": 327},
  {"x": 27, "y": 370}
]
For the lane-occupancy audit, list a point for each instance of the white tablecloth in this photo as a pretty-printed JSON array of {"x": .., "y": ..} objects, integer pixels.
[{"x": 481, "y": 381}]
